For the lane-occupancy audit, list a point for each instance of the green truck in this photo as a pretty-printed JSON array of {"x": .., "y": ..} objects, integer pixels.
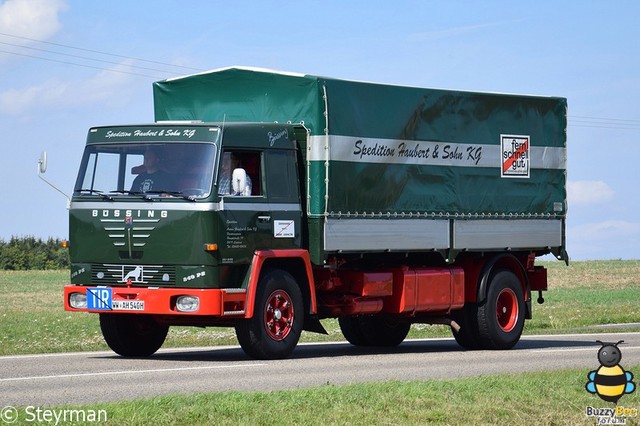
[{"x": 267, "y": 201}]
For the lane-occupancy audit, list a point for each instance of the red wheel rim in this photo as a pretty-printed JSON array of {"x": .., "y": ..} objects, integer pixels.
[
  {"x": 507, "y": 310},
  {"x": 278, "y": 315}
]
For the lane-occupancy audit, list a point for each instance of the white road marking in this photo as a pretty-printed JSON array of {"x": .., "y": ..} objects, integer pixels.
[
  {"x": 111, "y": 353},
  {"x": 128, "y": 372},
  {"x": 593, "y": 348}
]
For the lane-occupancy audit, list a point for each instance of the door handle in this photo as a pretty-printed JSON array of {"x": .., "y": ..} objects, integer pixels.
[{"x": 264, "y": 218}]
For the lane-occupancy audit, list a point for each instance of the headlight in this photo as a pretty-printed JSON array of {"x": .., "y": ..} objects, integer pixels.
[
  {"x": 188, "y": 303},
  {"x": 78, "y": 300}
]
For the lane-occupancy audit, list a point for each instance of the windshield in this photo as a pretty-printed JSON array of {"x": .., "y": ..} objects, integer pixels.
[{"x": 144, "y": 169}]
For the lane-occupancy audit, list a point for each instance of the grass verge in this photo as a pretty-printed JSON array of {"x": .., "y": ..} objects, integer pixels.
[{"x": 550, "y": 398}]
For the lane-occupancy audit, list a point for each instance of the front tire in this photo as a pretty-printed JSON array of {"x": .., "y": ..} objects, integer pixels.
[
  {"x": 274, "y": 330},
  {"x": 132, "y": 335}
]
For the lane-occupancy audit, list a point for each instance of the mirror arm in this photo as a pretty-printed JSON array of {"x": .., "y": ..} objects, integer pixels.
[{"x": 42, "y": 167}]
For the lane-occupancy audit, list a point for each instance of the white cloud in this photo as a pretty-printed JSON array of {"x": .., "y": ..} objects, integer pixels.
[
  {"x": 429, "y": 36},
  {"x": 16, "y": 101},
  {"x": 608, "y": 229},
  {"x": 37, "y": 19},
  {"x": 106, "y": 88},
  {"x": 609, "y": 239},
  {"x": 584, "y": 192}
]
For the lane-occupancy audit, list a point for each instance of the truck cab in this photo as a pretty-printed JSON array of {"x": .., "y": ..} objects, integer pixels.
[
  {"x": 164, "y": 208},
  {"x": 154, "y": 196}
]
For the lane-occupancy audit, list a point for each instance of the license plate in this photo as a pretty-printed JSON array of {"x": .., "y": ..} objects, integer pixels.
[
  {"x": 127, "y": 305},
  {"x": 101, "y": 299}
]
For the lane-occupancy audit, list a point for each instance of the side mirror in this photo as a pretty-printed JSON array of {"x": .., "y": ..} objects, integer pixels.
[
  {"x": 239, "y": 182},
  {"x": 42, "y": 167},
  {"x": 42, "y": 162}
]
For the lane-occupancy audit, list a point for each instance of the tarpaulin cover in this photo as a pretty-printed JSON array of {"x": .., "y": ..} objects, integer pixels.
[{"x": 394, "y": 149}]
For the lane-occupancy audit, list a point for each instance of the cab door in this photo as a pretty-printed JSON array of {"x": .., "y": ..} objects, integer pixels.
[
  {"x": 268, "y": 218},
  {"x": 283, "y": 218}
]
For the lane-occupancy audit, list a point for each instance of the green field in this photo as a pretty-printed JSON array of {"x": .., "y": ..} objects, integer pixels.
[{"x": 582, "y": 298}]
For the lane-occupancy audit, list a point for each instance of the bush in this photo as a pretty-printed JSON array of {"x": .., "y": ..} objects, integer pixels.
[{"x": 26, "y": 253}]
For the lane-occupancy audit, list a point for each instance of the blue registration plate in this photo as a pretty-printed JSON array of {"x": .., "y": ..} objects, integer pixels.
[{"x": 99, "y": 298}]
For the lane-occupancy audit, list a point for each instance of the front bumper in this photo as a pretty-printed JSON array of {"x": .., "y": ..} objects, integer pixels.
[{"x": 229, "y": 302}]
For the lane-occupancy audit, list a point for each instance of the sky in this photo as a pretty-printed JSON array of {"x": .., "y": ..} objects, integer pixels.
[{"x": 67, "y": 65}]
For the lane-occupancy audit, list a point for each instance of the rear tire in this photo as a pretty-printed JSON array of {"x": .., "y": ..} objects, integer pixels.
[
  {"x": 350, "y": 327},
  {"x": 132, "y": 335},
  {"x": 467, "y": 336},
  {"x": 371, "y": 330},
  {"x": 501, "y": 316},
  {"x": 274, "y": 330}
]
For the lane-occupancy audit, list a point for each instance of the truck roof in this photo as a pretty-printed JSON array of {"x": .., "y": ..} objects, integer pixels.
[{"x": 322, "y": 103}]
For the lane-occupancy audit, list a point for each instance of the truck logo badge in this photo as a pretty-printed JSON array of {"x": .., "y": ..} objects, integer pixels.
[
  {"x": 135, "y": 275},
  {"x": 515, "y": 156},
  {"x": 274, "y": 137}
]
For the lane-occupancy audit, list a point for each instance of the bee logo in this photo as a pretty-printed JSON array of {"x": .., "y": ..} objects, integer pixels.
[{"x": 610, "y": 381}]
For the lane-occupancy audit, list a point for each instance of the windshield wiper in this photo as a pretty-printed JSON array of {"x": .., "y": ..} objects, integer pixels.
[
  {"x": 174, "y": 194},
  {"x": 139, "y": 193},
  {"x": 146, "y": 197},
  {"x": 97, "y": 192}
]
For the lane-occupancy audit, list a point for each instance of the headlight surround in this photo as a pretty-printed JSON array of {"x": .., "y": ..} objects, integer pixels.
[
  {"x": 78, "y": 300},
  {"x": 187, "y": 303}
]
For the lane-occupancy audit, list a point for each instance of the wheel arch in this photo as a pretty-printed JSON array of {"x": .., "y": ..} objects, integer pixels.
[
  {"x": 508, "y": 262},
  {"x": 295, "y": 262}
]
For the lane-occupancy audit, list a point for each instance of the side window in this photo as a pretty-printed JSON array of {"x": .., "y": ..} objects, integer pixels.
[
  {"x": 282, "y": 182},
  {"x": 102, "y": 171},
  {"x": 248, "y": 161}
]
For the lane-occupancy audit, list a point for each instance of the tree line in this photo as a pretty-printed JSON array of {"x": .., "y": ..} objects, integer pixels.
[{"x": 28, "y": 253}]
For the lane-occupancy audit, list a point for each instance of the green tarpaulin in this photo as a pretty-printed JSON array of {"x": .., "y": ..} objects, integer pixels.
[{"x": 388, "y": 150}]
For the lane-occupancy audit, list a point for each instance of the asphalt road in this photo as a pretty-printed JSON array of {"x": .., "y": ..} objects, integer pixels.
[{"x": 89, "y": 377}]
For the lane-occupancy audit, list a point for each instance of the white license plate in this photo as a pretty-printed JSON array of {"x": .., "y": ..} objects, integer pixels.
[{"x": 127, "y": 305}]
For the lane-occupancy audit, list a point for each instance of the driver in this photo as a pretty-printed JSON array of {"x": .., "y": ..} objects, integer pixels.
[{"x": 153, "y": 178}]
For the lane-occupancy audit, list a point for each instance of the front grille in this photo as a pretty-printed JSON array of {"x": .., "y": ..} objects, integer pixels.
[
  {"x": 138, "y": 275},
  {"x": 134, "y": 255}
]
